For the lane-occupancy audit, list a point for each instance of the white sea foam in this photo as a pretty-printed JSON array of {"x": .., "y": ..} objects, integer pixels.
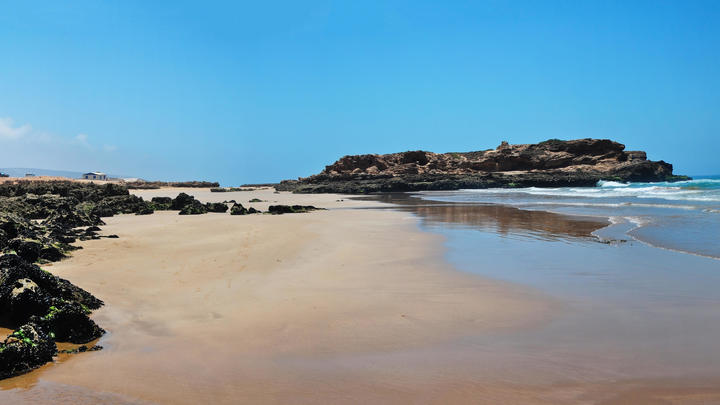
[
  {"x": 638, "y": 221},
  {"x": 664, "y": 191},
  {"x": 605, "y": 205},
  {"x": 603, "y": 183}
]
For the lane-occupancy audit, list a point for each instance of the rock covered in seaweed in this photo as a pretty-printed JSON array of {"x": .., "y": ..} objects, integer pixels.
[
  {"x": 43, "y": 308},
  {"x": 161, "y": 203},
  {"x": 38, "y": 221},
  {"x": 238, "y": 209},
  {"x": 216, "y": 207},
  {"x": 291, "y": 209},
  {"x": 182, "y": 199},
  {"x": 27, "y": 348},
  {"x": 27, "y": 290},
  {"x": 194, "y": 208}
]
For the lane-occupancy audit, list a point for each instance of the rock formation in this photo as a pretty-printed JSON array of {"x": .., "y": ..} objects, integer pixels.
[
  {"x": 238, "y": 209},
  {"x": 291, "y": 209},
  {"x": 553, "y": 163},
  {"x": 38, "y": 223}
]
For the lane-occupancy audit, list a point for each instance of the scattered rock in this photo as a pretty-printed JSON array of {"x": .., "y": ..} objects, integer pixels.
[
  {"x": 182, "y": 200},
  {"x": 291, "y": 209},
  {"x": 238, "y": 209},
  {"x": 194, "y": 208},
  {"x": 216, "y": 207},
  {"x": 161, "y": 203}
]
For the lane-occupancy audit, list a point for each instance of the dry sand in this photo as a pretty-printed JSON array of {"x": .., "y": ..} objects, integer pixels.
[{"x": 337, "y": 306}]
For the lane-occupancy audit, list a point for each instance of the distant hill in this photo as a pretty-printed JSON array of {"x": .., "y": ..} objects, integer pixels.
[{"x": 21, "y": 171}]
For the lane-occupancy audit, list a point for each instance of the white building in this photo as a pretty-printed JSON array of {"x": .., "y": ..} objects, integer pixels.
[{"x": 94, "y": 176}]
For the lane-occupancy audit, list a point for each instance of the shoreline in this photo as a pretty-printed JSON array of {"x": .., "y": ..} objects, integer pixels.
[{"x": 317, "y": 301}]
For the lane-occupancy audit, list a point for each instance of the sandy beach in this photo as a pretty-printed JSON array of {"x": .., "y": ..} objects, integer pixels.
[
  {"x": 354, "y": 304},
  {"x": 323, "y": 202},
  {"x": 263, "y": 309}
]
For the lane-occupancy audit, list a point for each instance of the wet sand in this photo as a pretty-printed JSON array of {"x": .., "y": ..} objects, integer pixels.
[{"x": 318, "y": 307}]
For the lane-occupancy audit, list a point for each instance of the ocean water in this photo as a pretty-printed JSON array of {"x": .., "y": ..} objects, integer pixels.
[
  {"x": 634, "y": 268},
  {"x": 682, "y": 216}
]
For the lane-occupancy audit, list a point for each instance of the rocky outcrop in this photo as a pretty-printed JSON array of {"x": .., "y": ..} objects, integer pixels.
[
  {"x": 42, "y": 308},
  {"x": 553, "y": 163},
  {"x": 188, "y": 205},
  {"x": 38, "y": 223}
]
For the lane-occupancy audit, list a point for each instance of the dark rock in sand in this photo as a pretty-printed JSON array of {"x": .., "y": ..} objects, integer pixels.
[
  {"x": 69, "y": 322},
  {"x": 27, "y": 348},
  {"x": 181, "y": 201},
  {"x": 161, "y": 203},
  {"x": 194, "y": 208},
  {"x": 26, "y": 290},
  {"x": 238, "y": 209},
  {"x": 188, "y": 205},
  {"x": 38, "y": 221},
  {"x": 216, "y": 207},
  {"x": 291, "y": 209},
  {"x": 52, "y": 308},
  {"x": 147, "y": 210}
]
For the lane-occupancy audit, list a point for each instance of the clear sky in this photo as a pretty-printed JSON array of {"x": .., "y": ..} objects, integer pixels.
[{"x": 267, "y": 90}]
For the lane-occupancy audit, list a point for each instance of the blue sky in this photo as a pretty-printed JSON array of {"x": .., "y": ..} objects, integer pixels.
[{"x": 262, "y": 91}]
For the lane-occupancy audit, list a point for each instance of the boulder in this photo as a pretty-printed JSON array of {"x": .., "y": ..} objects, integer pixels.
[
  {"x": 161, "y": 203},
  {"x": 28, "y": 347},
  {"x": 181, "y": 201},
  {"x": 193, "y": 208},
  {"x": 216, "y": 207},
  {"x": 238, "y": 209}
]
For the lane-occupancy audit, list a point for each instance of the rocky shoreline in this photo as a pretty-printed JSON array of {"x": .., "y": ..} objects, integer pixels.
[
  {"x": 553, "y": 163},
  {"x": 39, "y": 222}
]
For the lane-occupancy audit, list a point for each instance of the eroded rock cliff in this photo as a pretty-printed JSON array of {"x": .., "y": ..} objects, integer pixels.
[{"x": 553, "y": 163}]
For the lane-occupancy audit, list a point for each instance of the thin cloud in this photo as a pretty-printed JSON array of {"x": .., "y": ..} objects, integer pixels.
[
  {"x": 82, "y": 139},
  {"x": 9, "y": 131}
]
